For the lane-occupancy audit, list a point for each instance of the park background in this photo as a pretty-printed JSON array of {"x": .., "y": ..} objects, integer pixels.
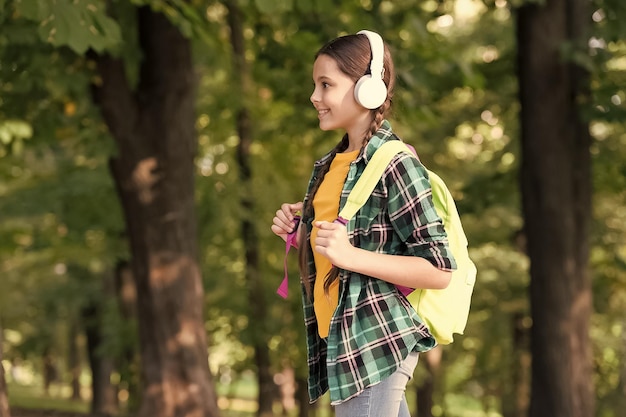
[{"x": 146, "y": 144}]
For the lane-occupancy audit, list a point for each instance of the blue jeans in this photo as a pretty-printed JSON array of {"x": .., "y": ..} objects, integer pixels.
[{"x": 385, "y": 399}]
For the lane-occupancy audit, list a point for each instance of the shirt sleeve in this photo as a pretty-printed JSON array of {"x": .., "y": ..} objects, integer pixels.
[{"x": 412, "y": 212}]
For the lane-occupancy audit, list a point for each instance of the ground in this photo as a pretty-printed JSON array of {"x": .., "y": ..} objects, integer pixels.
[{"x": 21, "y": 412}]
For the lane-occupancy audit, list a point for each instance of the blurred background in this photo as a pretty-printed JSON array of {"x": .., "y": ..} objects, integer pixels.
[{"x": 145, "y": 146}]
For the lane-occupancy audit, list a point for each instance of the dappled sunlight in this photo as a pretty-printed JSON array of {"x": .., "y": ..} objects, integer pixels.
[
  {"x": 461, "y": 15},
  {"x": 226, "y": 348},
  {"x": 237, "y": 404},
  {"x": 488, "y": 53},
  {"x": 168, "y": 267},
  {"x": 469, "y": 10},
  {"x": 13, "y": 133},
  {"x": 144, "y": 178},
  {"x": 480, "y": 141},
  {"x": 186, "y": 337},
  {"x": 206, "y": 162},
  {"x": 175, "y": 396}
]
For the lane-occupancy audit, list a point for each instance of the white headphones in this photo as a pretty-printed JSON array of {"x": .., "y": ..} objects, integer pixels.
[{"x": 370, "y": 91}]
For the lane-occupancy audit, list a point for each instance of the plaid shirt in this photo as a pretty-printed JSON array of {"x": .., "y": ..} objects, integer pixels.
[{"x": 374, "y": 327}]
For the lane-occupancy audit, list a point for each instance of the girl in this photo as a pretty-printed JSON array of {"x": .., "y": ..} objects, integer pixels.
[{"x": 363, "y": 336}]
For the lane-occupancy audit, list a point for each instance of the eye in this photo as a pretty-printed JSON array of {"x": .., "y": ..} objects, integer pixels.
[{"x": 325, "y": 84}]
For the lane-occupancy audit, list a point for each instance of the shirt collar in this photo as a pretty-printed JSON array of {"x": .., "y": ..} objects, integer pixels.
[{"x": 382, "y": 135}]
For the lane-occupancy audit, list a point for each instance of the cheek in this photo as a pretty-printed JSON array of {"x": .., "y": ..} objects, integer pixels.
[
  {"x": 350, "y": 105},
  {"x": 348, "y": 99}
]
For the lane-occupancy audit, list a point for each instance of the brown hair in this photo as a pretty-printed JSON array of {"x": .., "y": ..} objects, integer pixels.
[{"x": 352, "y": 53}]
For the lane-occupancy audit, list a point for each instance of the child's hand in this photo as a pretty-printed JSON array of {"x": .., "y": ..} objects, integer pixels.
[
  {"x": 283, "y": 222},
  {"x": 332, "y": 242}
]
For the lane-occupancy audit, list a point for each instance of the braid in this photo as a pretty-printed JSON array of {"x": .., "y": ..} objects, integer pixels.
[
  {"x": 307, "y": 213},
  {"x": 378, "y": 116},
  {"x": 377, "y": 121}
]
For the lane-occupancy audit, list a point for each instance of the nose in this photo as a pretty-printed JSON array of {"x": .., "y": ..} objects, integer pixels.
[{"x": 314, "y": 96}]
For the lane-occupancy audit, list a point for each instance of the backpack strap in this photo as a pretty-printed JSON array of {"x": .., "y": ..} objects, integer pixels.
[
  {"x": 370, "y": 177},
  {"x": 357, "y": 198},
  {"x": 368, "y": 180}
]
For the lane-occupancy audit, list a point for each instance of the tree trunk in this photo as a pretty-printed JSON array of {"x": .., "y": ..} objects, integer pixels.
[
  {"x": 302, "y": 397},
  {"x": 258, "y": 309},
  {"x": 431, "y": 360},
  {"x": 556, "y": 195},
  {"x": 286, "y": 382},
  {"x": 50, "y": 373},
  {"x": 128, "y": 362},
  {"x": 104, "y": 394},
  {"x": 91, "y": 319},
  {"x": 154, "y": 173},
  {"x": 621, "y": 386},
  {"x": 73, "y": 360},
  {"x": 515, "y": 403},
  {"x": 5, "y": 411}
]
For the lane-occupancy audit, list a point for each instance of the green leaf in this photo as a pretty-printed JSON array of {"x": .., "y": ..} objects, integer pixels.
[
  {"x": 80, "y": 24},
  {"x": 108, "y": 28},
  {"x": 33, "y": 10}
]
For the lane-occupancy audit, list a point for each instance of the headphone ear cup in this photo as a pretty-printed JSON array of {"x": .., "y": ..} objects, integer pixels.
[{"x": 370, "y": 92}]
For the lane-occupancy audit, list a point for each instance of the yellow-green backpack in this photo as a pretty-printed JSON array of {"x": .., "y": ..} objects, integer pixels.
[{"x": 445, "y": 312}]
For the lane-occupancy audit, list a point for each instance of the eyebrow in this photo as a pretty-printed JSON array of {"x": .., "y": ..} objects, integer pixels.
[{"x": 323, "y": 78}]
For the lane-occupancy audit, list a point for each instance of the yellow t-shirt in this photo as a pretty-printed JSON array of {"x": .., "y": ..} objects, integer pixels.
[{"x": 326, "y": 206}]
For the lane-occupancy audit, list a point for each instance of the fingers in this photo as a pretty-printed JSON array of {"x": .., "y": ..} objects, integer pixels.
[
  {"x": 289, "y": 210},
  {"x": 328, "y": 230},
  {"x": 286, "y": 214},
  {"x": 283, "y": 222},
  {"x": 326, "y": 226},
  {"x": 332, "y": 241}
]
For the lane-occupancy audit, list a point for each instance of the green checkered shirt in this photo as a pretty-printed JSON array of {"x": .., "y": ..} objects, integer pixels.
[{"x": 374, "y": 327}]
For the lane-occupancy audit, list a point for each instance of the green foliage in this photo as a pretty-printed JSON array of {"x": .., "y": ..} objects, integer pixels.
[
  {"x": 12, "y": 136},
  {"x": 59, "y": 218},
  {"x": 79, "y": 25},
  {"x": 608, "y": 251}
]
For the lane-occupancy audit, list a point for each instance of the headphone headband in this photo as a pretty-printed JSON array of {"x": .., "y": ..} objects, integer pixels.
[{"x": 378, "y": 50}]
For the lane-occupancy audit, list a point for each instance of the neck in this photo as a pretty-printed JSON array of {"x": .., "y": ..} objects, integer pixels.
[
  {"x": 355, "y": 141},
  {"x": 359, "y": 131}
]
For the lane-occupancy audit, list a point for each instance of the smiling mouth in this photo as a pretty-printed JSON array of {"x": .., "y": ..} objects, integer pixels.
[{"x": 322, "y": 113}]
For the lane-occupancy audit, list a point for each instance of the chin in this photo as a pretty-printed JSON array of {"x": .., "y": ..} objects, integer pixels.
[{"x": 327, "y": 127}]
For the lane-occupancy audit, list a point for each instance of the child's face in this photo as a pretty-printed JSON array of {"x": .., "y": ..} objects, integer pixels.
[{"x": 333, "y": 98}]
